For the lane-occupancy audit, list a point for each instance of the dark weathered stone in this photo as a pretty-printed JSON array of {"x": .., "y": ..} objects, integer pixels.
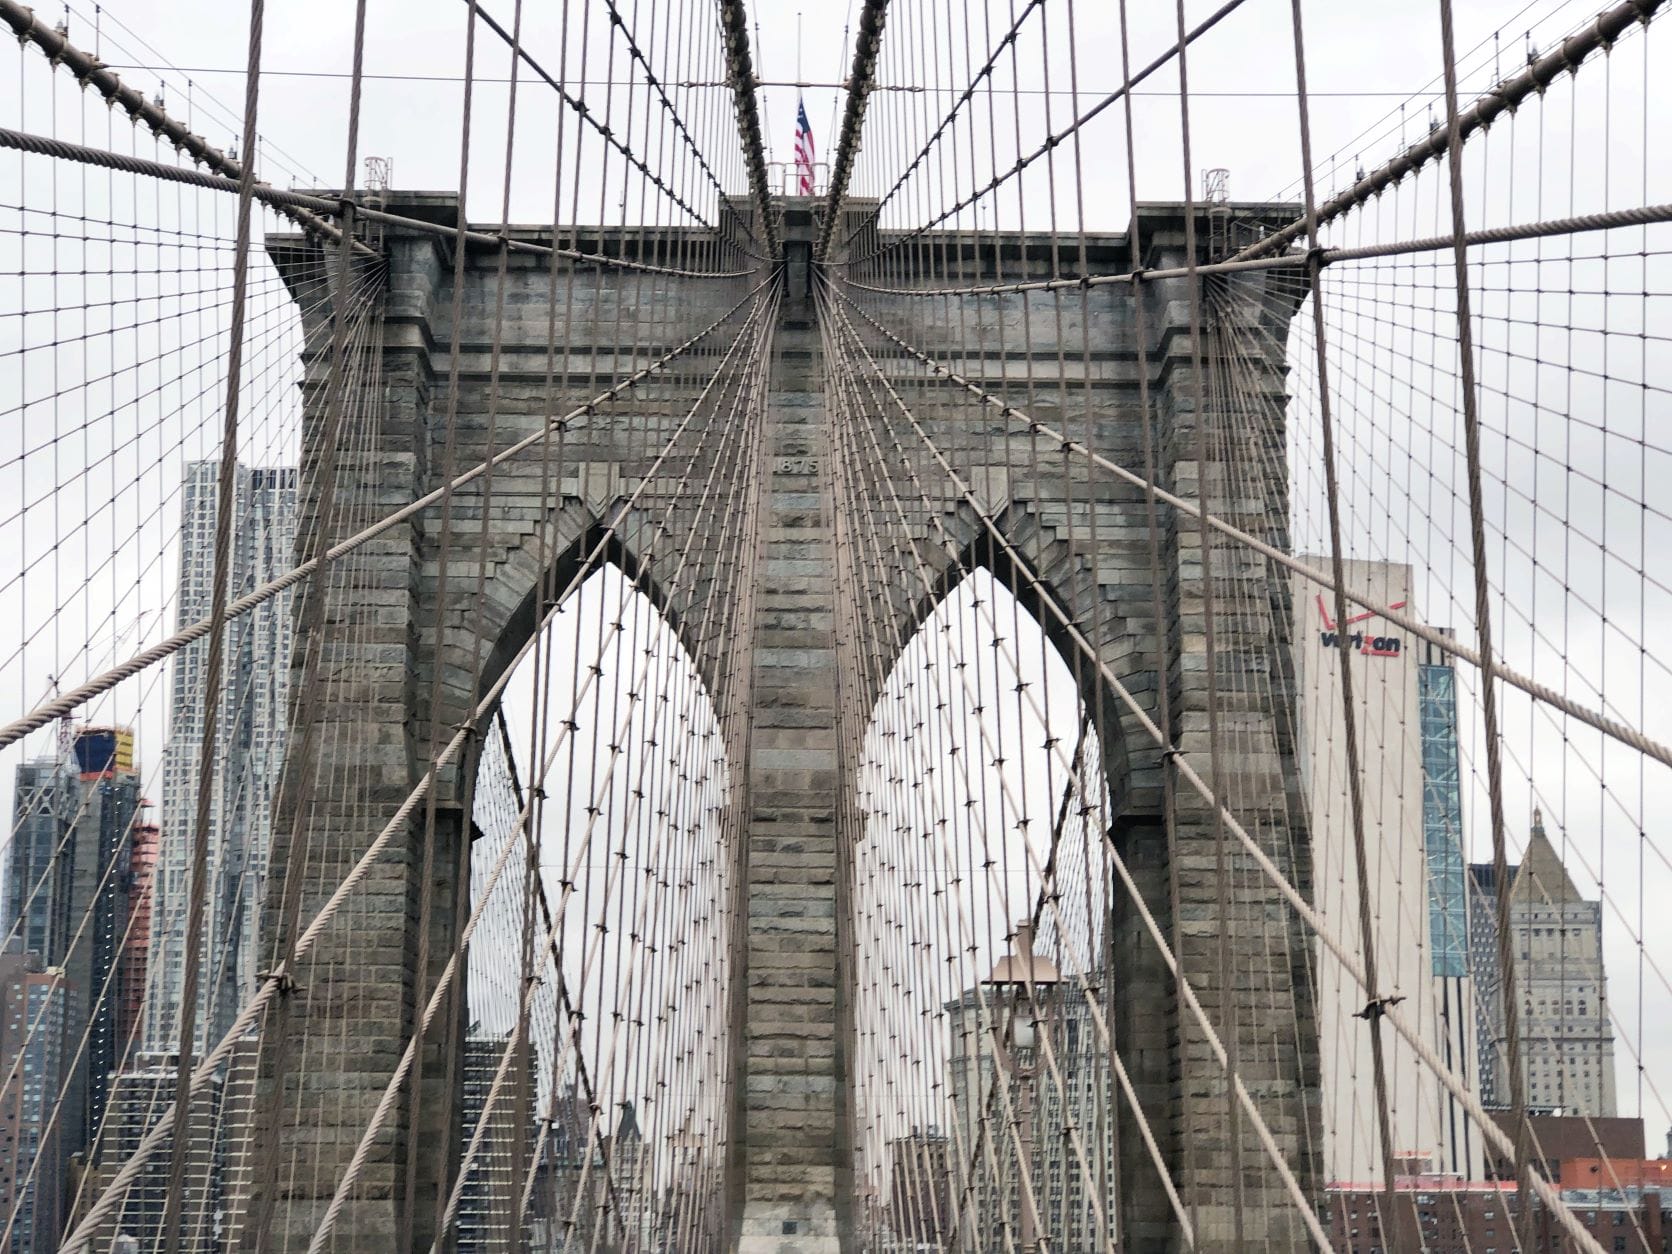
[{"x": 360, "y": 995}]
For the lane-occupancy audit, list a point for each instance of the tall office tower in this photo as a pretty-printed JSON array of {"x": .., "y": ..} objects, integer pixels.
[
  {"x": 995, "y": 1066},
  {"x": 1448, "y": 893},
  {"x": 67, "y": 892},
  {"x": 136, "y": 949},
  {"x": 45, "y": 800},
  {"x": 1404, "y": 711},
  {"x": 143, "y": 1095},
  {"x": 253, "y": 685},
  {"x": 486, "y": 1195},
  {"x": 1567, "y": 1040},
  {"x": 91, "y": 955},
  {"x": 31, "y": 1041}
]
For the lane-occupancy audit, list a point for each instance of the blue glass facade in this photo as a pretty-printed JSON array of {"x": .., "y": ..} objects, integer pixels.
[{"x": 1442, "y": 822}]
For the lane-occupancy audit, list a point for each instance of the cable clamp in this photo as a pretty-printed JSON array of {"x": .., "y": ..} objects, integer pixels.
[
  {"x": 1316, "y": 259},
  {"x": 285, "y": 982},
  {"x": 1139, "y": 275},
  {"x": 1171, "y": 752},
  {"x": 1376, "y": 1007}
]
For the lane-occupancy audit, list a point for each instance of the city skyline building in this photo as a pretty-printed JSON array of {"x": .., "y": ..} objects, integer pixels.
[
  {"x": 31, "y": 1041},
  {"x": 492, "y": 1184},
  {"x": 1405, "y": 714},
  {"x": 136, "y": 948},
  {"x": 1566, "y": 1037},
  {"x": 1443, "y": 847},
  {"x": 66, "y": 898},
  {"x": 143, "y": 1095},
  {"x": 255, "y": 683},
  {"x": 995, "y": 1073}
]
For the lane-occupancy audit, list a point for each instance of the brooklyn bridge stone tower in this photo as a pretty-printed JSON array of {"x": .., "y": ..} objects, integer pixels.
[{"x": 791, "y": 1119}]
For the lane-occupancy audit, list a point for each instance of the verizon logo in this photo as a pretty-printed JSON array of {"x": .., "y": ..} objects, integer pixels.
[{"x": 1363, "y": 641}]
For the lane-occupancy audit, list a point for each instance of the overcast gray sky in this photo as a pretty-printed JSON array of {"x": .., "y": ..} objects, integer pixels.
[{"x": 1373, "y": 71}]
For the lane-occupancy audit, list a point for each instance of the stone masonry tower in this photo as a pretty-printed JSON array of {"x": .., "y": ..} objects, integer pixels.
[{"x": 790, "y": 1149}]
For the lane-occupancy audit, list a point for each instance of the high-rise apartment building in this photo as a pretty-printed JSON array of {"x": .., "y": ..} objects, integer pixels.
[
  {"x": 92, "y": 956},
  {"x": 1404, "y": 710},
  {"x": 67, "y": 889},
  {"x": 45, "y": 801},
  {"x": 143, "y": 1095},
  {"x": 254, "y": 685},
  {"x": 136, "y": 948},
  {"x": 1567, "y": 1040},
  {"x": 31, "y": 1043},
  {"x": 493, "y": 1183}
]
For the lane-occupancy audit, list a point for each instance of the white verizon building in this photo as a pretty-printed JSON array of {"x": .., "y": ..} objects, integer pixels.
[{"x": 1402, "y": 696}]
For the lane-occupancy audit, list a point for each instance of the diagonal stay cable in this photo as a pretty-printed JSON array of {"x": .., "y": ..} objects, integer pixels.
[
  {"x": 43, "y": 714},
  {"x": 287, "y": 201},
  {"x": 860, "y": 81},
  {"x": 1502, "y": 98},
  {"x": 274, "y": 982},
  {"x": 964, "y": 97},
  {"x": 89, "y": 71},
  {"x": 1609, "y": 220},
  {"x": 1548, "y": 1194},
  {"x": 740, "y": 73},
  {"x": 591, "y": 119},
  {"x": 650, "y": 77},
  {"x": 1612, "y": 728},
  {"x": 1051, "y": 141}
]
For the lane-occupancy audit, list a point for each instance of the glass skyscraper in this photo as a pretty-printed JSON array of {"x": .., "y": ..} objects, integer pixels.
[
  {"x": 1442, "y": 818},
  {"x": 254, "y": 685}
]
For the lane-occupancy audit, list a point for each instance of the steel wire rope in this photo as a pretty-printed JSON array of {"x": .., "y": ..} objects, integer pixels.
[
  {"x": 89, "y": 71},
  {"x": 487, "y": 702},
  {"x": 255, "y": 1006},
  {"x": 1508, "y": 487},
  {"x": 1545, "y": 1191},
  {"x": 1566, "y": 58},
  {"x": 211, "y": 705},
  {"x": 67, "y": 702},
  {"x": 1542, "y": 1187},
  {"x": 1013, "y": 662},
  {"x": 1349, "y": 712},
  {"x": 659, "y": 84},
  {"x": 1626, "y": 735},
  {"x": 1024, "y": 160}
]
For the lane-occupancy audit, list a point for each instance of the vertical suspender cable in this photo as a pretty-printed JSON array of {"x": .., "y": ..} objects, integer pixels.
[
  {"x": 860, "y": 82},
  {"x": 224, "y": 505},
  {"x": 1483, "y": 637},
  {"x": 301, "y": 761},
  {"x": 740, "y": 70},
  {"x": 1372, "y": 1013}
]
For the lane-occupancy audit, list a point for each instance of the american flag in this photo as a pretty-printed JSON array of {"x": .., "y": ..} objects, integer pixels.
[{"x": 803, "y": 148}]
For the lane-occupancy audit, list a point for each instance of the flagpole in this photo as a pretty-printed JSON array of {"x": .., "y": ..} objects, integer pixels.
[{"x": 798, "y": 50}]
